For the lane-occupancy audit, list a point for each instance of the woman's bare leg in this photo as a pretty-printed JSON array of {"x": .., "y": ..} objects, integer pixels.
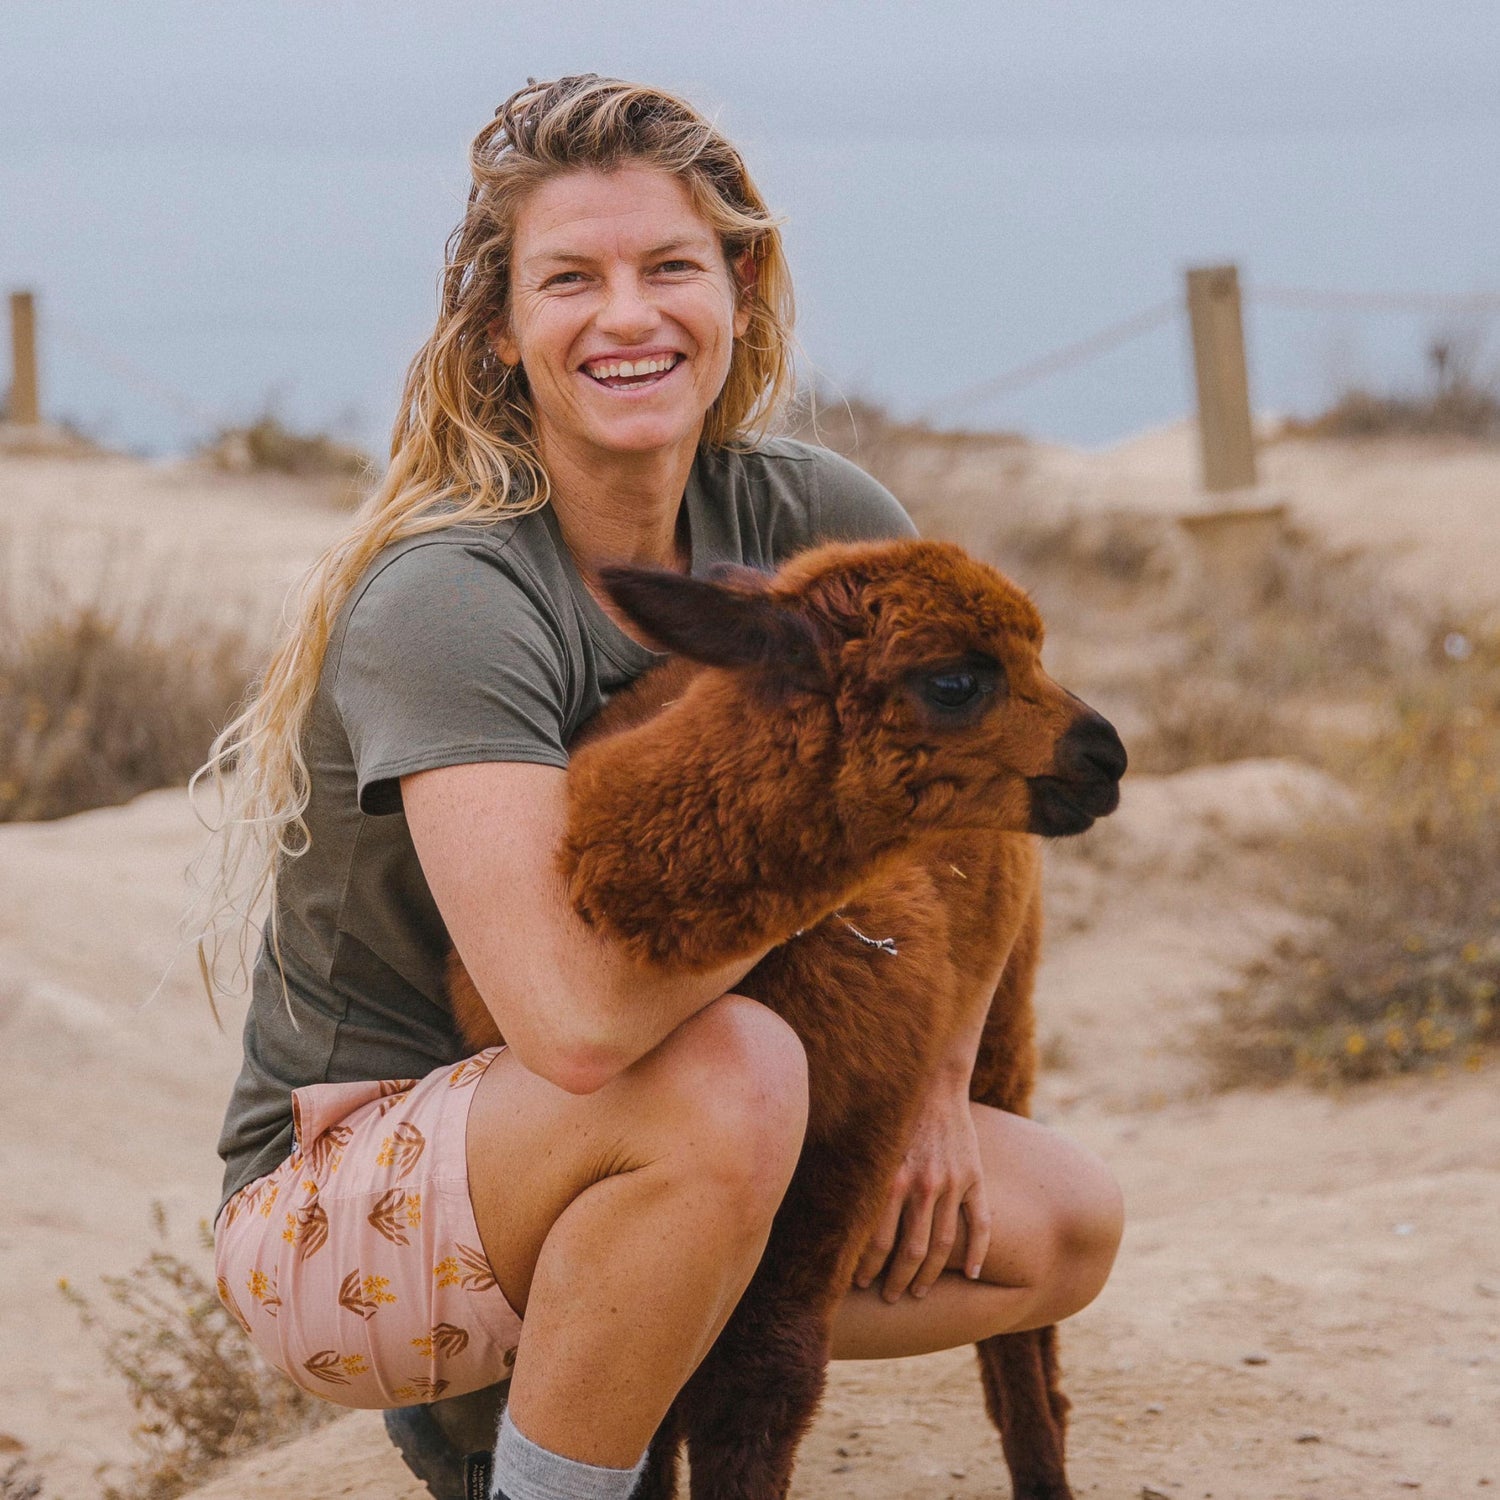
[
  {"x": 1057, "y": 1216},
  {"x": 626, "y": 1223}
]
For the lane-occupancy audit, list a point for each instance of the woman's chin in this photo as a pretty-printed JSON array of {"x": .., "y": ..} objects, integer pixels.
[{"x": 642, "y": 433}]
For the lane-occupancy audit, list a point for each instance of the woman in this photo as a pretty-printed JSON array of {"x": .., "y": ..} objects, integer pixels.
[{"x": 614, "y": 333}]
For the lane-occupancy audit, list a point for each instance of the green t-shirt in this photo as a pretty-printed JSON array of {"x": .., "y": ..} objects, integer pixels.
[{"x": 474, "y": 643}]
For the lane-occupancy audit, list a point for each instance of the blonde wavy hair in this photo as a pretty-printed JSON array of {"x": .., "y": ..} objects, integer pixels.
[{"x": 463, "y": 447}]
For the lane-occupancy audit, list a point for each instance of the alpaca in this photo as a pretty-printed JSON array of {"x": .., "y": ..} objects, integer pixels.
[{"x": 853, "y": 759}]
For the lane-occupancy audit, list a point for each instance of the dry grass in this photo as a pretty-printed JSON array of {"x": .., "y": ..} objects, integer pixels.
[
  {"x": 1314, "y": 627},
  {"x": 882, "y": 445},
  {"x": 97, "y": 706},
  {"x": 1400, "y": 968},
  {"x": 1461, "y": 402},
  {"x": 268, "y": 446},
  {"x": 1117, "y": 546},
  {"x": 203, "y": 1393}
]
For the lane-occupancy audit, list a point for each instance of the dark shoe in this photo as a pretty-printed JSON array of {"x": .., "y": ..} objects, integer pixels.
[
  {"x": 441, "y": 1442},
  {"x": 427, "y": 1452}
]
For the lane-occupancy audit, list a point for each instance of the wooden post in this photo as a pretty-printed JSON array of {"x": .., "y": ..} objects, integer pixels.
[
  {"x": 25, "y": 409},
  {"x": 1224, "y": 432}
]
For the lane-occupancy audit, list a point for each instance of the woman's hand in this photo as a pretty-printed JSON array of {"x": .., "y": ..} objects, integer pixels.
[{"x": 938, "y": 1200}]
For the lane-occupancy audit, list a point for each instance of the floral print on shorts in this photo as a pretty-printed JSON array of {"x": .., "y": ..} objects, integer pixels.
[{"x": 355, "y": 1267}]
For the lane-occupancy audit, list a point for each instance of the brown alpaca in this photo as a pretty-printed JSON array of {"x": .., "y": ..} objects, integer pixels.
[{"x": 852, "y": 759}]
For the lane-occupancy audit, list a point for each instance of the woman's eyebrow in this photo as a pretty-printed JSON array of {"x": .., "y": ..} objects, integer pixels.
[{"x": 577, "y": 258}]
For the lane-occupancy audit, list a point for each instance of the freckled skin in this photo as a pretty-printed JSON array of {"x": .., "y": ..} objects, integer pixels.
[{"x": 792, "y": 784}]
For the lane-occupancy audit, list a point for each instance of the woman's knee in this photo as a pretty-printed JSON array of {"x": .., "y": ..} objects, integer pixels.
[
  {"x": 1088, "y": 1224},
  {"x": 733, "y": 1084}
]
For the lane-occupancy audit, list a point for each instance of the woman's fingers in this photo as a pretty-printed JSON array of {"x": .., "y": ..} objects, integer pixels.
[
  {"x": 976, "y": 1208},
  {"x": 945, "y": 1229},
  {"x": 914, "y": 1245},
  {"x": 883, "y": 1240}
]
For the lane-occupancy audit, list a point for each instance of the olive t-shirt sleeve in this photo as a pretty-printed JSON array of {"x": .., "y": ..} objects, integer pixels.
[
  {"x": 850, "y": 506},
  {"x": 449, "y": 656}
]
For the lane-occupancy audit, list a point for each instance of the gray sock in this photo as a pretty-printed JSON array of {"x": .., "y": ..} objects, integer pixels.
[{"x": 523, "y": 1471}]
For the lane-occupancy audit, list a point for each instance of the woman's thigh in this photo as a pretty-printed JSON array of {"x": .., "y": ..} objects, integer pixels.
[{"x": 356, "y": 1267}]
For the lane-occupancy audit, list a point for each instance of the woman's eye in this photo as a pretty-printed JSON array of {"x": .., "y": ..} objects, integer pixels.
[
  {"x": 563, "y": 278},
  {"x": 952, "y": 689},
  {"x": 671, "y": 266}
]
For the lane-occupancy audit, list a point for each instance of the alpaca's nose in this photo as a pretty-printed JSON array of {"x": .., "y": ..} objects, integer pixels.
[{"x": 1091, "y": 749}]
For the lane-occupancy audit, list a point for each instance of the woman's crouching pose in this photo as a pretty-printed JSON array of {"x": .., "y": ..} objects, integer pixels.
[{"x": 612, "y": 342}]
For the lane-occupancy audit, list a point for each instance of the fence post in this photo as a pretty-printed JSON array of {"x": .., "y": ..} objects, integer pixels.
[
  {"x": 1224, "y": 431},
  {"x": 24, "y": 407}
]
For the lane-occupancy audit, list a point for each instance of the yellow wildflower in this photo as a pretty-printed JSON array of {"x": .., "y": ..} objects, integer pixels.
[{"x": 446, "y": 1271}]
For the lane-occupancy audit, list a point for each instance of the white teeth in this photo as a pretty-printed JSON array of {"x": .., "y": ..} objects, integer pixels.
[{"x": 622, "y": 368}]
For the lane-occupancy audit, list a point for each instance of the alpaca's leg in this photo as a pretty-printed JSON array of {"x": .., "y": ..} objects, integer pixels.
[
  {"x": 659, "y": 1478},
  {"x": 1022, "y": 1395},
  {"x": 1019, "y": 1371},
  {"x": 749, "y": 1404}
]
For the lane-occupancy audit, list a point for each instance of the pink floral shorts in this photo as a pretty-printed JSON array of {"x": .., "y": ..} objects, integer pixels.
[{"x": 356, "y": 1267}]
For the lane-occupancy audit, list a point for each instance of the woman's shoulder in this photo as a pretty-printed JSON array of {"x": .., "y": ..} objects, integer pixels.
[
  {"x": 436, "y": 563},
  {"x": 822, "y": 494}
]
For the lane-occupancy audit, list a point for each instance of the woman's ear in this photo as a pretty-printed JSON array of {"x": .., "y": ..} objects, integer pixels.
[
  {"x": 501, "y": 341},
  {"x": 743, "y": 270}
]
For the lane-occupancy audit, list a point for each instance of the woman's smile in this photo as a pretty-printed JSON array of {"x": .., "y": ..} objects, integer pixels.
[{"x": 632, "y": 372}]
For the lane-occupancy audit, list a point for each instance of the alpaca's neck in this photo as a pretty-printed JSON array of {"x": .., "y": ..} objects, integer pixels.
[{"x": 714, "y": 829}]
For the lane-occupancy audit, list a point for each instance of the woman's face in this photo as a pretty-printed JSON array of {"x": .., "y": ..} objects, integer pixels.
[{"x": 623, "y": 312}]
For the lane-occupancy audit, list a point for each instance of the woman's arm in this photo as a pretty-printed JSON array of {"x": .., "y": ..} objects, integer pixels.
[{"x": 573, "y": 1007}]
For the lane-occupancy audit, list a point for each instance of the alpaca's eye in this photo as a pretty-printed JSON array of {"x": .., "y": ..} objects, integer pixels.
[
  {"x": 957, "y": 691},
  {"x": 952, "y": 689}
]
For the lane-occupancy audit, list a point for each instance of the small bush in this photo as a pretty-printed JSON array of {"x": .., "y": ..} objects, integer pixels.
[
  {"x": 269, "y": 446},
  {"x": 203, "y": 1392},
  {"x": 95, "y": 708},
  {"x": 1400, "y": 967}
]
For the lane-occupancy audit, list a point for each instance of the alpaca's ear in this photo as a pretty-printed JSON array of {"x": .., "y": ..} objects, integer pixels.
[{"x": 729, "y": 621}]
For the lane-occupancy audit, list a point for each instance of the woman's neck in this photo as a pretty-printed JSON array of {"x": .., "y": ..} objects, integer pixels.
[{"x": 620, "y": 508}]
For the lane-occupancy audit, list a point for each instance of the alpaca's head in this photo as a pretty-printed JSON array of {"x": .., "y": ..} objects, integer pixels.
[{"x": 928, "y": 661}]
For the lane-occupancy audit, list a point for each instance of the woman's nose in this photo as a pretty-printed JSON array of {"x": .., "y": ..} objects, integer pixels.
[{"x": 627, "y": 312}]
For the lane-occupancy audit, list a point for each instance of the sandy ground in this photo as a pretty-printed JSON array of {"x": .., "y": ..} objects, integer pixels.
[{"x": 1307, "y": 1302}]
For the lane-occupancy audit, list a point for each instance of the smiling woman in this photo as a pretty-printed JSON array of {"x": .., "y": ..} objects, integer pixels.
[{"x": 612, "y": 347}]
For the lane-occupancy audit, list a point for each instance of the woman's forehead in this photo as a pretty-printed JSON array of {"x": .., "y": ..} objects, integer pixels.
[{"x": 634, "y": 211}]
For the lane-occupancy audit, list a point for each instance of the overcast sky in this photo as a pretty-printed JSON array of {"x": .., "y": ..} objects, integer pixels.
[{"x": 247, "y": 200}]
